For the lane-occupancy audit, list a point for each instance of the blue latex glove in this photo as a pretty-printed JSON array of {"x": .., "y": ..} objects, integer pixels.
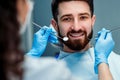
[
  {"x": 41, "y": 38},
  {"x": 103, "y": 47}
]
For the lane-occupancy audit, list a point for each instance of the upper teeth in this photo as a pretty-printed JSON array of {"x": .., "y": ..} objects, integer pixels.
[{"x": 76, "y": 34}]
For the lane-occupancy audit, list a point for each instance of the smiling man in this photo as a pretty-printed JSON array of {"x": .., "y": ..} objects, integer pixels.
[{"x": 75, "y": 19}]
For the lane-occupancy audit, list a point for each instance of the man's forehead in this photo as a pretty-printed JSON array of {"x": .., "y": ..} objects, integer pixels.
[{"x": 73, "y": 7}]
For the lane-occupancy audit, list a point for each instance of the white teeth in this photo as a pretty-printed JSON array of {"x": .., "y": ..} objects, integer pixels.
[{"x": 76, "y": 34}]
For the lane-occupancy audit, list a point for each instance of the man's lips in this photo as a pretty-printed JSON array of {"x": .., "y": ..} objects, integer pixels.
[{"x": 76, "y": 35}]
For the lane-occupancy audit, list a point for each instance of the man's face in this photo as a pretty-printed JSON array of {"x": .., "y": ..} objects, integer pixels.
[{"x": 75, "y": 22}]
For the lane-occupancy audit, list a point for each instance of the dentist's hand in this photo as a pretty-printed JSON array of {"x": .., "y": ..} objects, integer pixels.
[
  {"x": 41, "y": 38},
  {"x": 103, "y": 47}
]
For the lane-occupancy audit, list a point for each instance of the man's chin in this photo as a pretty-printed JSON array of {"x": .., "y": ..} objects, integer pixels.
[
  {"x": 77, "y": 44},
  {"x": 74, "y": 45}
]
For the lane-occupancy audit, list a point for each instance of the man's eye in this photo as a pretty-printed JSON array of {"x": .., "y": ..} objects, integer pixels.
[
  {"x": 83, "y": 17},
  {"x": 67, "y": 19}
]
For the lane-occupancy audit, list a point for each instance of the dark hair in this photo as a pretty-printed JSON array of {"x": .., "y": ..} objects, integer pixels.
[
  {"x": 10, "y": 54},
  {"x": 55, "y": 4}
]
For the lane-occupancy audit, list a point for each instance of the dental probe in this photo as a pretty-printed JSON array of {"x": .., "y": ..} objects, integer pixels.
[
  {"x": 114, "y": 29},
  {"x": 64, "y": 38}
]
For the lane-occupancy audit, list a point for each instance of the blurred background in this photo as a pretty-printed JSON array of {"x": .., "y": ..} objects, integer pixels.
[{"x": 106, "y": 11}]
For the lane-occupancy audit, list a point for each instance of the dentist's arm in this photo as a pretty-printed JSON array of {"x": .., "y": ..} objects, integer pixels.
[
  {"x": 40, "y": 40},
  {"x": 104, "y": 72},
  {"x": 103, "y": 47}
]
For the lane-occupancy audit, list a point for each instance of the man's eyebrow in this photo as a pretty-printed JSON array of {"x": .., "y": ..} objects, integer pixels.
[
  {"x": 84, "y": 14},
  {"x": 65, "y": 15},
  {"x": 71, "y": 15}
]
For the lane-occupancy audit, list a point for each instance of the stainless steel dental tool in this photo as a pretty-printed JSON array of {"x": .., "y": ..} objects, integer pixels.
[
  {"x": 114, "y": 29},
  {"x": 64, "y": 38},
  {"x": 117, "y": 28}
]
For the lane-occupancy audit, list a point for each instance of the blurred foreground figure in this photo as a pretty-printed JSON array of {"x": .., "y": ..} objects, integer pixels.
[{"x": 14, "y": 16}]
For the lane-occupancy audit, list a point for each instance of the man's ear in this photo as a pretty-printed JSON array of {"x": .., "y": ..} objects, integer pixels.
[
  {"x": 93, "y": 20},
  {"x": 54, "y": 24}
]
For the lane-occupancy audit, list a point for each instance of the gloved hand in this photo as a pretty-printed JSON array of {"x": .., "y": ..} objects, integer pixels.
[
  {"x": 41, "y": 38},
  {"x": 103, "y": 47}
]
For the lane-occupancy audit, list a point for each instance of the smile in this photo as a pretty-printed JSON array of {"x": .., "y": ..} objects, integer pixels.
[{"x": 76, "y": 35}]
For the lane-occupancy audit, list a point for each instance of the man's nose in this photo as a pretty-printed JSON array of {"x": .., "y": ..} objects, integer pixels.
[{"x": 76, "y": 25}]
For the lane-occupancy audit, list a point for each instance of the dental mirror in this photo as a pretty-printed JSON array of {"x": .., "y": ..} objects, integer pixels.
[{"x": 64, "y": 38}]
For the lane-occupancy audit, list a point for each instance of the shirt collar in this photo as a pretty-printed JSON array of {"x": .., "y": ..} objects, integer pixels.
[{"x": 89, "y": 53}]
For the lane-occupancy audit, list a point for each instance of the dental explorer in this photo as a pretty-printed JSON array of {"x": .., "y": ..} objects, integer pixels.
[{"x": 64, "y": 38}]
